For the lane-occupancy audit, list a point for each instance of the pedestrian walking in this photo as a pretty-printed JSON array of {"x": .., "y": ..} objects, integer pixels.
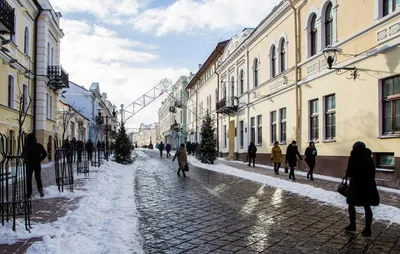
[
  {"x": 161, "y": 148},
  {"x": 168, "y": 149},
  {"x": 361, "y": 171},
  {"x": 188, "y": 147},
  {"x": 193, "y": 148},
  {"x": 252, "y": 151},
  {"x": 292, "y": 152},
  {"x": 276, "y": 157},
  {"x": 79, "y": 146},
  {"x": 89, "y": 148},
  {"x": 33, "y": 154},
  {"x": 310, "y": 153},
  {"x": 182, "y": 159}
]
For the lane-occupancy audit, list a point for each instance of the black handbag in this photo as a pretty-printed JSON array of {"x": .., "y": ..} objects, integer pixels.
[
  {"x": 186, "y": 168},
  {"x": 345, "y": 188}
]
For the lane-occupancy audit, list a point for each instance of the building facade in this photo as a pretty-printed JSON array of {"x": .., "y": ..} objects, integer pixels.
[
  {"x": 322, "y": 70},
  {"x": 155, "y": 137},
  {"x": 144, "y": 135},
  {"x": 166, "y": 118},
  {"x": 93, "y": 105},
  {"x": 178, "y": 111},
  {"x": 75, "y": 125},
  {"x": 203, "y": 89}
]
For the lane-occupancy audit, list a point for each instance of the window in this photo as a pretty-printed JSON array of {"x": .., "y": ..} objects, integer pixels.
[
  {"x": 314, "y": 120},
  {"x": 241, "y": 81},
  {"x": 48, "y": 54},
  {"x": 273, "y": 127},
  {"x": 12, "y": 36},
  {"x": 255, "y": 69},
  {"x": 49, "y": 106},
  {"x": 224, "y": 136},
  {"x": 391, "y": 105},
  {"x": 72, "y": 129},
  {"x": 11, "y": 84},
  {"x": 52, "y": 56},
  {"x": 390, "y": 6},
  {"x": 253, "y": 130},
  {"x": 241, "y": 131},
  {"x": 313, "y": 35},
  {"x": 259, "y": 129},
  {"x": 330, "y": 117},
  {"x": 328, "y": 25},
  {"x": 26, "y": 41},
  {"x": 216, "y": 95},
  {"x": 385, "y": 160},
  {"x": 282, "y": 123},
  {"x": 232, "y": 87},
  {"x": 273, "y": 61},
  {"x": 224, "y": 91},
  {"x": 25, "y": 96},
  {"x": 283, "y": 55}
]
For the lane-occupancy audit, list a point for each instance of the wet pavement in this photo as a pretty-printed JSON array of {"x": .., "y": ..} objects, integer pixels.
[{"x": 208, "y": 212}]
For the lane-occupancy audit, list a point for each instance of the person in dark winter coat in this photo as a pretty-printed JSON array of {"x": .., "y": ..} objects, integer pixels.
[
  {"x": 89, "y": 148},
  {"x": 188, "y": 147},
  {"x": 310, "y": 153},
  {"x": 168, "y": 149},
  {"x": 252, "y": 151},
  {"x": 33, "y": 154},
  {"x": 361, "y": 171},
  {"x": 98, "y": 146},
  {"x": 182, "y": 159},
  {"x": 193, "y": 147},
  {"x": 79, "y": 147},
  {"x": 161, "y": 148},
  {"x": 292, "y": 152}
]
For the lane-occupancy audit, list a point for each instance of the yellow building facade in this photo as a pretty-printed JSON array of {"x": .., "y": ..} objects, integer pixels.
[
  {"x": 290, "y": 92},
  {"x": 16, "y": 71}
]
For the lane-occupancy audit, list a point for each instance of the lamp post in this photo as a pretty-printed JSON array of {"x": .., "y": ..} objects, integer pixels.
[{"x": 331, "y": 54}]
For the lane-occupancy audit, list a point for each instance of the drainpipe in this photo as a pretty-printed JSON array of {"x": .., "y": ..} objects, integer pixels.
[
  {"x": 296, "y": 68},
  {"x": 35, "y": 68},
  {"x": 215, "y": 71}
]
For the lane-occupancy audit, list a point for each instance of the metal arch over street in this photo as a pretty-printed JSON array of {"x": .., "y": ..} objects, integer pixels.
[{"x": 165, "y": 86}]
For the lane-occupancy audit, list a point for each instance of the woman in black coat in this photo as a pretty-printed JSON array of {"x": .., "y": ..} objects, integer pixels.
[
  {"x": 33, "y": 154},
  {"x": 292, "y": 152},
  {"x": 252, "y": 150},
  {"x": 311, "y": 153},
  {"x": 361, "y": 171}
]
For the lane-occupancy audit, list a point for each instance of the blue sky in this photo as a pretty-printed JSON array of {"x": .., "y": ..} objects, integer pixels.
[{"x": 128, "y": 46}]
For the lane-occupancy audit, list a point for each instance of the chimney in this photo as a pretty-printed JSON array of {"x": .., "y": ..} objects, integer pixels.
[{"x": 200, "y": 65}]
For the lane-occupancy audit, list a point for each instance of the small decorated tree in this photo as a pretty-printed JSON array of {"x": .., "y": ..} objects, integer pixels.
[
  {"x": 208, "y": 145},
  {"x": 122, "y": 154}
]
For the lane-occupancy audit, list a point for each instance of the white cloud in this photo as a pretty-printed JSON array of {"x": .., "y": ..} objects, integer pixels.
[
  {"x": 192, "y": 15},
  {"x": 111, "y": 10},
  {"x": 96, "y": 54}
]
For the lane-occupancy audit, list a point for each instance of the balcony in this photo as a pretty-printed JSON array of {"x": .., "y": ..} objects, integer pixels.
[
  {"x": 6, "y": 18},
  {"x": 178, "y": 104},
  {"x": 227, "y": 106},
  {"x": 58, "y": 77},
  {"x": 172, "y": 109}
]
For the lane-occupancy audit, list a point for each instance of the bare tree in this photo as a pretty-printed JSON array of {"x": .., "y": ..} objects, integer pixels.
[
  {"x": 64, "y": 118},
  {"x": 81, "y": 129},
  {"x": 24, "y": 102}
]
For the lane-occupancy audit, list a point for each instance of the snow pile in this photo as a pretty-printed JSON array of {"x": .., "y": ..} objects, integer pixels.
[
  {"x": 105, "y": 222},
  {"x": 382, "y": 212}
]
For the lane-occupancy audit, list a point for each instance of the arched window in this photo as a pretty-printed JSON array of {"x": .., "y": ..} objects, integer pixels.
[
  {"x": 328, "y": 25},
  {"x": 26, "y": 41},
  {"x": 241, "y": 81},
  {"x": 273, "y": 61},
  {"x": 10, "y": 102},
  {"x": 233, "y": 86},
  {"x": 255, "y": 71},
  {"x": 25, "y": 96},
  {"x": 282, "y": 55},
  {"x": 313, "y": 35}
]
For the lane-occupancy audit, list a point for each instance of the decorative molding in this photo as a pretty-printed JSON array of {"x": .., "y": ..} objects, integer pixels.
[{"x": 388, "y": 32}]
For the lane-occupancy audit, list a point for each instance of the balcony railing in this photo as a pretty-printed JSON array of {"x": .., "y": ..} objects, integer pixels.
[
  {"x": 178, "y": 104},
  {"x": 58, "y": 77},
  {"x": 7, "y": 17},
  {"x": 227, "y": 106},
  {"x": 172, "y": 109}
]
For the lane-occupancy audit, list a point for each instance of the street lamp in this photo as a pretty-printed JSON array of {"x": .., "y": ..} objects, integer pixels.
[{"x": 331, "y": 54}]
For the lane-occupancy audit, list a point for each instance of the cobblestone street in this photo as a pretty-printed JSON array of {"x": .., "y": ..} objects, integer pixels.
[{"x": 208, "y": 212}]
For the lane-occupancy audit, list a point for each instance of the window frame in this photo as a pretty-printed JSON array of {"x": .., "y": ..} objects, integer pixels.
[
  {"x": 313, "y": 34},
  {"x": 282, "y": 126},
  {"x": 26, "y": 41},
  {"x": 259, "y": 130},
  {"x": 273, "y": 61},
  {"x": 328, "y": 25},
  {"x": 329, "y": 114},
  {"x": 253, "y": 129},
  {"x": 241, "y": 77},
  {"x": 393, "y": 99},
  {"x": 241, "y": 134},
  {"x": 273, "y": 123},
  {"x": 25, "y": 96},
  {"x": 313, "y": 116},
  {"x": 282, "y": 55},
  {"x": 10, "y": 91},
  {"x": 391, "y": 7},
  {"x": 255, "y": 72},
  {"x": 225, "y": 137}
]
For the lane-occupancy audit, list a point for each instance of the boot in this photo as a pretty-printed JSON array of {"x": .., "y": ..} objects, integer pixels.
[
  {"x": 352, "y": 216},
  {"x": 308, "y": 175},
  {"x": 368, "y": 221},
  {"x": 351, "y": 227},
  {"x": 41, "y": 193}
]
